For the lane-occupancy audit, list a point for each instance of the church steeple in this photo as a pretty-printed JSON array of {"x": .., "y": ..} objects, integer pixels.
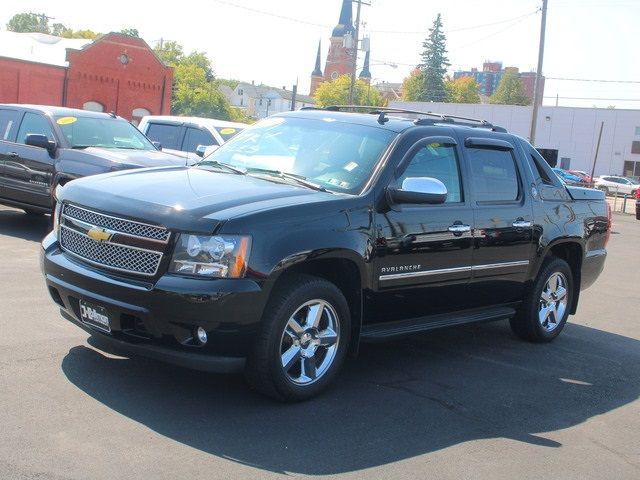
[
  {"x": 345, "y": 23},
  {"x": 365, "y": 74},
  {"x": 317, "y": 72}
]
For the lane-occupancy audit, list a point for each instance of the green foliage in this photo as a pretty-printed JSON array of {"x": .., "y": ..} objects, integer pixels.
[
  {"x": 510, "y": 91},
  {"x": 229, "y": 82},
  {"x": 69, "y": 33},
  {"x": 196, "y": 91},
  {"x": 29, "y": 22},
  {"x": 412, "y": 86},
  {"x": 462, "y": 90},
  {"x": 171, "y": 53},
  {"x": 336, "y": 92},
  {"x": 434, "y": 64},
  {"x": 132, "y": 32}
]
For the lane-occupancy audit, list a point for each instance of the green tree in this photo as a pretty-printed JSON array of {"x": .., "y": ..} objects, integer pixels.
[
  {"x": 434, "y": 64},
  {"x": 132, "y": 32},
  {"x": 69, "y": 33},
  {"x": 462, "y": 90},
  {"x": 412, "y": 86},
  {"x": 170, "y": 52},
  {"x": 193, "y": 95},
  {"x": 195, "y": 90},
  {"x": 336, "y": 92},
  {"x": 29, "y": 22},
  {"x": 510, "y": 90}
]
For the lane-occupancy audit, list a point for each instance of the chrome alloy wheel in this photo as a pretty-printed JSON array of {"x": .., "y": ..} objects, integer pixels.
[
  {"x": 553, "y": 302},
  {"x": 310, "y": 342}
]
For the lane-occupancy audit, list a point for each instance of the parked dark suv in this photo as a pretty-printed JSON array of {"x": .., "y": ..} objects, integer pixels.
[
  {"x": 318, "y": 229},
  {"x": 43, "y": 147}
]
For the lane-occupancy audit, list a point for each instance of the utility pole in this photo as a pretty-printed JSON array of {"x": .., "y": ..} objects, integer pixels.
[
  {"x": 595, "y": 159},
  {"x": 354, "y": 60},
  {"x": 538, "y": 82}
]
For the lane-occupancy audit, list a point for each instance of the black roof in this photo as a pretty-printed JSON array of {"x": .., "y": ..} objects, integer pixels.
[
  {"x": 58, "y": 111},
  {"x": 393, "y": 120}
]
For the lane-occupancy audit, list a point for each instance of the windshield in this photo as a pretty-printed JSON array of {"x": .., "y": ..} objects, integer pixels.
[
  {"x": 83, "y": 132},
  {"x": 227, "y": 132},
  {"x": 333, "y": 155}
]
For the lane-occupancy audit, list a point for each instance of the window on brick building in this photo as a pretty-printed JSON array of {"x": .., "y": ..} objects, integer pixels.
[
  {"x": 635, "y": 147},
  {"x": 93, "y": 106}
]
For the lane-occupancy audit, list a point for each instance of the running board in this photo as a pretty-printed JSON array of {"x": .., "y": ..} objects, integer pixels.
[{"x": 383, "y": 331}]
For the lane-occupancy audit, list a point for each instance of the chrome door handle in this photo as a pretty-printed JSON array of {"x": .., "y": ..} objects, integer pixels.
[
  {"x": 12, "y": 155},
  {"x": 521, "y": 224},
  {"x": 459, "y": 228}
]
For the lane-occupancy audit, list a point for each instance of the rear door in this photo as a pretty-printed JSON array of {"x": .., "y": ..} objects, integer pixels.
[
  {"x": 503, "y": 219},
  {"x": 29, "y": 170},
  {"x": 423, "y": 255}
]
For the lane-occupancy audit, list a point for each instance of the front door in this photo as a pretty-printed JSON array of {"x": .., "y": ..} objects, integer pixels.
[
  {"x": 503, "y": 225},
  {"x": 29, "y": 170},
  {"x": 9, "y": 120},
  {"x": 423, "y": 252}
]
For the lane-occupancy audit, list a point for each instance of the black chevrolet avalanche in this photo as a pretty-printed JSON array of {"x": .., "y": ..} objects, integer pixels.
[
  {"x": 43, "y": 147},
  {"x": 316, "y": 230}
]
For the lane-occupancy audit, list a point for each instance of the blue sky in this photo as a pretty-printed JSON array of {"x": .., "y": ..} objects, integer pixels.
[{"x": 586, "y": 39}]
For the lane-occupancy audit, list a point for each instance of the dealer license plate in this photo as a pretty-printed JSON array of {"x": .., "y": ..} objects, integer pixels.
[{"x": 95, "y": 316}]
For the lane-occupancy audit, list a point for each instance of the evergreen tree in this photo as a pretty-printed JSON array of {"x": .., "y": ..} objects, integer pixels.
[
  {"x": 510, "y": 90},
  {"x": 434, "y": 64}
]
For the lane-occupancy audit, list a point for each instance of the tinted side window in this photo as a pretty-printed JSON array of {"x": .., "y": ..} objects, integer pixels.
[
  {"x": 493, "y": 175},
  {"x": 167, "y": 135},
  {"x": 8, "y": 123},
  {"x": 195, "y": 137},
  {"x": 437, "y": 161},
  {"x": 34, "y": 123}
]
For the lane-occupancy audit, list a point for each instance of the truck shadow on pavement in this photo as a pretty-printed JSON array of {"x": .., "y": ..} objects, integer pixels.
[
  {"x": 16, "y": 223},
  {"x": 395, "y": 401}
]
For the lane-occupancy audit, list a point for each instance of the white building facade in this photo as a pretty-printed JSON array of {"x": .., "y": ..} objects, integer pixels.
[
  {"x": 572, "y": 131},
  {"x": 260, "y": 101}
]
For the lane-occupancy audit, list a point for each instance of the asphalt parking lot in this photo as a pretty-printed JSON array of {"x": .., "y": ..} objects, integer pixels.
[{"x": 470, "y": 402}]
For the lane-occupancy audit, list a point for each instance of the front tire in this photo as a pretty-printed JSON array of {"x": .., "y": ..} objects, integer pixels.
[
  {"x": 303, "y": 341},
  {"x": 545, "y": 310}
]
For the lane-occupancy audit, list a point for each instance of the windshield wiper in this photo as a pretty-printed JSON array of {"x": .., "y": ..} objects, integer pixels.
[
  {"x": 226, "y": 166},
  {"x": 80, "y": 147},
  {"x": 299, "y": 179}
]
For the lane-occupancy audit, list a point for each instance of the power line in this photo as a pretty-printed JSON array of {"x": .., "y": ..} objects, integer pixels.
[
  {"x": 453, "y": 30},
  {"x": 269, "y": 14},
  {"x": 592, "y": 80},
  {"x": 599, "y": 98}
]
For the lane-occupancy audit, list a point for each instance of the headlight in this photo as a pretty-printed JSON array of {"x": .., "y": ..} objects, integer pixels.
[
  {"x": 56, "y": 217},
  {"x": 221, "y": 256}
]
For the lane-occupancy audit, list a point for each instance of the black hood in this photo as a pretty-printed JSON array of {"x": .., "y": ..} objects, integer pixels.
[
  {"x": 191, "y": 199},
  {"x": 129, "y": 158}
]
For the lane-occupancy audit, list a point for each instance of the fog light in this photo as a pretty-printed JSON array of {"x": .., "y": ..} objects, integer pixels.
[{"x": 202, "y": 335}]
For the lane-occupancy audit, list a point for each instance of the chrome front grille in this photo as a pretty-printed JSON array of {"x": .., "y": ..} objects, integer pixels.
[
  {"x": 111, "y": 242},
  {"x": 118, "y": 224}
]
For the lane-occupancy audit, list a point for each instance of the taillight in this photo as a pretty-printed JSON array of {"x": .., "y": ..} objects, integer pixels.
[
  {"x": 609, "y": 225},
  {"x": 638, "y": 194}
]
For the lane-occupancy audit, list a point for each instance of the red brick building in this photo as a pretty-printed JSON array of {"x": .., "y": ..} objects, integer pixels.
[{"x": 115, "y": 73}]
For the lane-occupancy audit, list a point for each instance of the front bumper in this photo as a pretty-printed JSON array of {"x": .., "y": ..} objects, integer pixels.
[{"x": 158, "y": 319}]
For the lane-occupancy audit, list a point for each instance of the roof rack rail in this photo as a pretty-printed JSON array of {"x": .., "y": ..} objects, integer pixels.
[{"x": 436, "y": 117}]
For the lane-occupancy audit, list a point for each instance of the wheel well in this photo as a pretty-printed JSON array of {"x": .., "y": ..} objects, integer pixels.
[
  {"x": 346, "y": 276},
  {"x": 571, "y": 253}
]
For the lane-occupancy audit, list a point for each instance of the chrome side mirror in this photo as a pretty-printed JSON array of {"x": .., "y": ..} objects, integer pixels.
[{"x": 419, "y": 190}]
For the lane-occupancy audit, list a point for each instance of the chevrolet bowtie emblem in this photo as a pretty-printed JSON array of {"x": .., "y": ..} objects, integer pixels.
[{"x": 99, "y": 234}]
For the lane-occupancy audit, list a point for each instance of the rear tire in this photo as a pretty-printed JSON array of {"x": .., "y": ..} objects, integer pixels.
[
  {"x": 546, "y": 307},
  {"x": 303, "y": 342}
]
